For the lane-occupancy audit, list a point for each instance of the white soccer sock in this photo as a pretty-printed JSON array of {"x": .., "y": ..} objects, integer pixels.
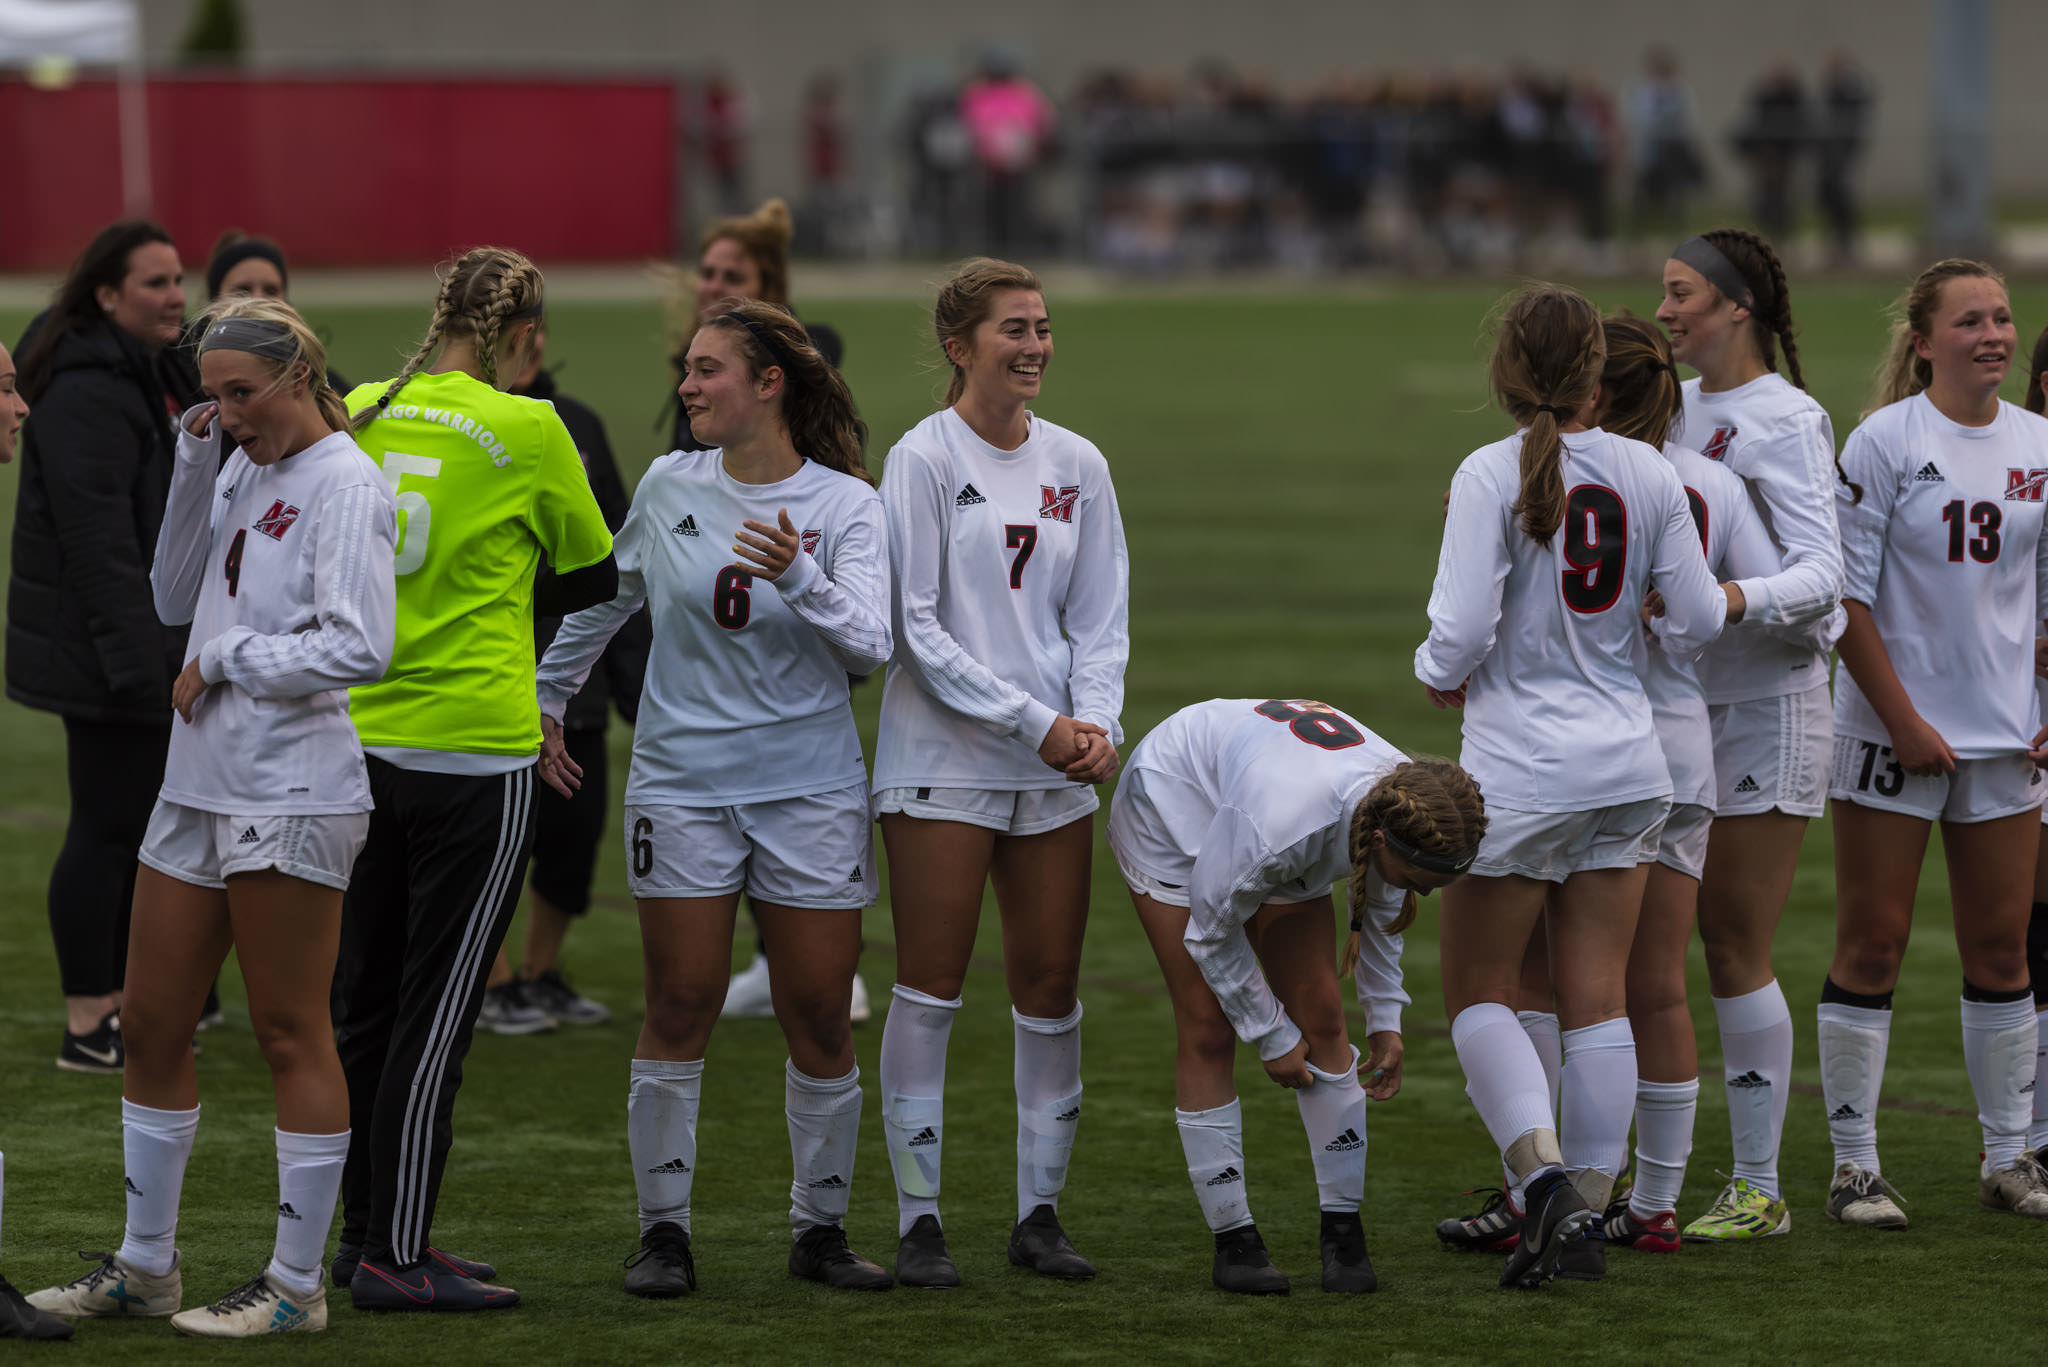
[
  {"x": 1853, "y": 1044},
  {"x": 2037, "y": 1133},
  {"x": 913, "y": 1097},
  {"x": 154, "y": 1147},
  {"x": 661, "y": 1134},
  {"x": 1756, "y": 1050},
  {"x": 1048, "y": 1078},
  {"x": 308, "y": 1183},
  {"x": 1503, "y": 1076},
  {"x": 1544, "y": 1036},
  {"x": 1664, "y": 1116},
  {"x": 1599, "y": 1096},
  {"x": 824, "y": 1124},
  {"x": 1333, "y": 1112},
  {"x": 1213, "y": 1141},
  {"x": 1999, "y": 1039}
]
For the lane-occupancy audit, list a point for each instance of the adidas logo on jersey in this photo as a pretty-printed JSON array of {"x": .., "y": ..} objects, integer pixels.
[
  {"x": 1225, "y": 1178},
  {"x": 674, "y": 1167},
  {"x": 1845, "y": 1112},
  {"x": 968, "y": 495},
  {"x": 1752, "y": 1078},
  {"x": 687, "y": 527},
  {"x": 1069, "y": 1115},
  {"x": 248, "y": 837},
  {"x": 834, "y": 1182},
  {"x": 1344, "y": 1143},
  {"x": 1929, "y": 475},
  {"x": 1748, "y": 785},
  {"x": 922, "y": 1138},
  {"x": 285, "y": 1211}
]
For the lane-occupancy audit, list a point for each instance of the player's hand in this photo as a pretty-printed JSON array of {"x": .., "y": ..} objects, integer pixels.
[
  {"x": 202, "y": 418},
  {"x": 1920, "y": 749},
  {"x": 188, "y": 688},
  {"x": 2041, "y": 656},
  {"x": 2038, "y": 750},
  {"x": 1454, "y": 698},
  {"x": 1097, "y": 761},
  {"x": 1291, "y": 1068},
  {"x": 1381, "y": 1071},
  {"x": 1062, "y": 745},
  {"x": 557, "y": 770},
  {"x": 1738, "y": 602},
  {"x": 767, "y": 551}
]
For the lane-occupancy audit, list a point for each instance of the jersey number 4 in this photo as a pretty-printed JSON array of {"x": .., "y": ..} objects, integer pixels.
[
  {"x": 1595, "y": 547},
  {"x": 1316, "y": 723}
]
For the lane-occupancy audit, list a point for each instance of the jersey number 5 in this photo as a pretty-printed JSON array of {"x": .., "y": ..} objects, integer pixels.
[
  {"x": 1595, "y": 546},
  {"x": 1316, "y": 723},
  {"x": 415, "y": 514}
]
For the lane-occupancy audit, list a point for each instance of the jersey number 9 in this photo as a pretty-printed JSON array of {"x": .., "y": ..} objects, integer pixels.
[
  {"x": 415, "y": 514},
  {"x": 1595, "y": 546}
]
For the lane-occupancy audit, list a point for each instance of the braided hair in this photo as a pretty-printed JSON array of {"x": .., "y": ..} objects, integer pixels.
[
  {"x": 1431, "y": 805},
  {"x": 483, "y": 290}
]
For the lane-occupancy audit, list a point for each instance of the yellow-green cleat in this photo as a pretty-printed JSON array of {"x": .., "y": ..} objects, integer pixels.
[{"x": 1740, "y": 1212}]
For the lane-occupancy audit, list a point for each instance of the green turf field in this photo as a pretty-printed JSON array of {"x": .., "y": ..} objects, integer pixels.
[{"x": 1279, "y": 462}]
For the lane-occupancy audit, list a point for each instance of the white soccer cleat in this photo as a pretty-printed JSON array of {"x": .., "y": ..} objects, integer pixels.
[
  {"x": 113, "y": 1288},
  {"x": 747, "y": 996},
  {"x": 257, "y": 1306},
  {"x": 1858, "y": 1196},
  {"x": 2021, "y": 1188}
]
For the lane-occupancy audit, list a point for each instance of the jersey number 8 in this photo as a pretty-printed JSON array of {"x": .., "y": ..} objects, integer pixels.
[{"x": 1316, "y": 723}]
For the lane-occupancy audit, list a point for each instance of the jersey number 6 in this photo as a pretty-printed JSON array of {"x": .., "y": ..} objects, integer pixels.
[
  {"x": 1595, "y": 546},
  {"x": 731, "y": 604}
]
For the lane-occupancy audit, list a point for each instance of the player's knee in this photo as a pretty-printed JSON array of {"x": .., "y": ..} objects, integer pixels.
[
  {"x": 1993, "y": 961},
  {"x": 1875, "y": 956},
  {"x": 680, "y": 1011},
  {"x": 1043, "y": 989},
  {"x": 1208, "y": 1040},
  {"x": 290, "y": 1042}
]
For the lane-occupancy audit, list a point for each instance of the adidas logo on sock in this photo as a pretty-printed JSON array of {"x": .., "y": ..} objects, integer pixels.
[
  {"x": 249, "y": 837},
  {"x": 968, "y": 495},
  {"x": 1845, "y": 1112},
  {"x": 1929, "y": 475},
  {"x": 1073, "y": 1113},
  {"x": 1749, "y": 1079},
  {"x": 1225, "y": 1178},
  {"x": 687, "y": 527},
  {"x": 129, "y": 1183},
  {"x": 285, "y": 1211},
  {"x": 1344, "y": 1142},
  {"x": 922, "y": 1138},
  {"x": 673, "y": 1166},
  {"x": 2027, "y": 1090},
  {"x": 1748, "y": 785},
  {"x": 834, "y": 1182}
]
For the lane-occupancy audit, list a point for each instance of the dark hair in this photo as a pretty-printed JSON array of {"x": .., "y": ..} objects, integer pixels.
[
  {"x": 1639, "y": 392},
  {"x": 2036, "y": 402},
  {"x": 1546, "y": 363},
  {"x": 232, "y": 248},
  {"x": 103, "y": 263},
  {"x": 817, "y": 407}
]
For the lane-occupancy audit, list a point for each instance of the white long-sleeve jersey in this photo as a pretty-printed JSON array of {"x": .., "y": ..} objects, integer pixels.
[
  {"x": 1262, "y": 794},
  {"x": 1555, "y": 717},
  {"x": 1946, "y": 551},
  {"x": 285, "y": 573},
  {"x": 1011, "y": 604},
  {"x": 746, "y": 697},
  {"x": 1774, "y": 435}
]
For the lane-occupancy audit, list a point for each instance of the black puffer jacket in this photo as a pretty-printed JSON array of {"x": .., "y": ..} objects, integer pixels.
[{"x": 83, "y": 638}]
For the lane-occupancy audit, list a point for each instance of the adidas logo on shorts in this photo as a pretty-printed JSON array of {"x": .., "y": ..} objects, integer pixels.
[
  {"x": 673, "y": 1167},
  {"x": 1845, "y": 1112},
  {"x": 1749, "y": 1079},
  {"x": 1929, "y": 475},
  {"x": 834, "y": 1182},
  {"x": 1225, "y": 1178},
  {"x": 249, "y": 837},
  {"x": 856, "y": 874},
  {"x": 922, "y": 1138},
  {"x": 687, "y": 527},
  {"x": 1071, "y": 1114},
  {"x": 285, "y": 1211},
  {"x": 968, "y": 495},
  {"x": 1344, "y": 1143},
  {"x": 1748, "y": 785}
]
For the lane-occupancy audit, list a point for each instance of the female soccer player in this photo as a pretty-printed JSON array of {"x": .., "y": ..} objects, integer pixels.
[
  {"x": 282, "y": 561},
  {"x": 1533, "y": 620},
  {"x": 1231, "y": 822},
  {"x": 998, "y": 714},
  {"x": 1935, "y": 714},
  {"x": 747, "y": 772},
  {"x": 1728, "y": 311},
  {"x": 487, "y": 483}
]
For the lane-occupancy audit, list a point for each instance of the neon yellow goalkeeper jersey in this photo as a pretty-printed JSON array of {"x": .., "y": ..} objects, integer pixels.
[{"x": 486, "y": 484}]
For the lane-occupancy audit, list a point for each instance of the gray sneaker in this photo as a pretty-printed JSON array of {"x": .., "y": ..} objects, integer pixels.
[
  {"x": 2021, "y": 1188},
  {"x": 1858, "y": 1196},
  {"x": 507, "y": 1010},
  {"x": 551, "y": 992}
]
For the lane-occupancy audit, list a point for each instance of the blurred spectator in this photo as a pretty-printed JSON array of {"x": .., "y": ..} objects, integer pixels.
[
  {"x": 822, "y": 227},
  {"x": 1010, "y": 127},
  {"x": 937, "y": 141},
  {"x": 722, "y": 133},
  {"x": 1664, "y": 128},
  {"x": 1846, "y": 99},
  {"x": 1770, "y": 138}
]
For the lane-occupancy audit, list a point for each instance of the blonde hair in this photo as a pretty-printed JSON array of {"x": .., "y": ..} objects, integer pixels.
[
  {"x": 964, "y": 304},
  {"x": 1547, "y": 357},
  {"x": 1902, "y": 373},
  {"x": 307, "y": 350},
  {"x": 480, "y": 292},
  {"x": 817, "y": 407},
  {"x": 1431, "y": 805}
]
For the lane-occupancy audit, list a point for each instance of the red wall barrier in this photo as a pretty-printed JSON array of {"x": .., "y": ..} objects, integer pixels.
[{"x": 350, "y": 171}]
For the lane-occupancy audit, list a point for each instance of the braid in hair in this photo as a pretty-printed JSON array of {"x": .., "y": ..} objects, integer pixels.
[
  {"x": 1431, "y": 805},
  {"x": 509, "y": 297},
  {"x": 437, "y": 327},
  {"x": 483, "y": 289}
]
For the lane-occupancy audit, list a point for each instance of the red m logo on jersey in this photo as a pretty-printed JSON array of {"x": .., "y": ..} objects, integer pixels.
[
  {"x": 2024, "y": 486},
  {"x": 1058, "y": 504},
  {"x": 1717, "y": 445},
  {"x": 811, "y": 537},
  {"x": 275, "y": 523}
]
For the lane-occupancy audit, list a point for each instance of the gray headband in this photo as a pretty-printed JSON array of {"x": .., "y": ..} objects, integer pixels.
[
  {"x": 1704, "y": 257},
  {"x": 255, "y": 335}
]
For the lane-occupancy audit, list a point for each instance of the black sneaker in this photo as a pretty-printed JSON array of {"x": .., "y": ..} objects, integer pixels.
[
  {"x": 820, "y": 1254},
  {"x": 98, "y": 1050},
  {"x": 663, "y": 1268},
  {"x": 922, "y": 1258},
  {"x": 347, "y": 1256},
  {"x": 1345, "y": 1264},
  {"x": 1040, "y": 1244},
  {"x": 1495, "y": 1229},
  {"x": 20, "y": 1320},
  {"x": 1557, "y": 1215},
  {"x": 1242, "y": 1267},
  {"x": 551, "y": 992},
  {"x": 1584, "y": 1259},
  {"x": 427, "y": 1285}
]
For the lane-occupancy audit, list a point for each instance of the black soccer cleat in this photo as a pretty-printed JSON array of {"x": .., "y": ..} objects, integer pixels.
[
  {"x": 922, "y": 1258},
  {"x": 662, "y": 1269},
  {"x": 1495, "y": 1229},
  {"x": 820, "y": 1255},
  {"x": 1346, "y": 1267},
  {"x": 1584, "y": 1259},
  {"x": 346, "y": 1256},
  {"x": 381, "y": 1284},
  {"x": 20, "y": 1320},
  {"x": 1040, "y": 1244},
  {"x": 1557, "y": 1215},
  {"x": 1242, "y": 1267}
]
